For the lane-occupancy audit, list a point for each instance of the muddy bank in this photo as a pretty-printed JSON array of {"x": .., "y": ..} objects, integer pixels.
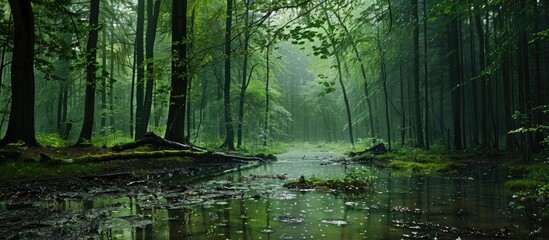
[{"x": 46, "y": 208}]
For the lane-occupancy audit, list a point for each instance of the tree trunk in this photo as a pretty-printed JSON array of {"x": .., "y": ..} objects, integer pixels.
[
  {"x": 342, "y": 85},
  {"x": 175, "y": 130},
  {"x": 474, "y": 75},
  {"x": 104, "y": 76},
  {"x": 483, "y": 83},
  {"x": 455, "y": 80},
  {"x": 111, "y": 86},
  {"x": 385, "y": 95},
  {"x": 140, "y": 78},
  {"x": 91, "y": 49},
  {"x": 267, "y": 97},
  {"x": 363, "y": 73},
  {"x": 426, "y": 73},
  {"x": 244, "y": 84},
  {"x": 403, "y": 120},
  {"x": 418, "y": 125},
  {"x": 229, "y": 130},
  {"x": 152, "y": 20},
  {"x": 21, "y": 121}
]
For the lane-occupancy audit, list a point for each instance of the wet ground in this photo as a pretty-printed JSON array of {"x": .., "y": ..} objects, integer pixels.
[{"x": 250, "y": 203}]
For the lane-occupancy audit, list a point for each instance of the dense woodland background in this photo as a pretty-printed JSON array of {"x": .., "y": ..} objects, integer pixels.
[{"x": 246, "y": 73}]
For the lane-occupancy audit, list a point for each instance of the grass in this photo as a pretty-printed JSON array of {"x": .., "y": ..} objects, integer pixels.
[{"x": 414, "y": 160}]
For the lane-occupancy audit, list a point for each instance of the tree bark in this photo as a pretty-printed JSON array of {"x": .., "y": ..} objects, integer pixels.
[
  {"x": 426, "y": 73},
  {"x": 418, "y": 125},
  {"x": 91, "y": 50},
  {"x": 140, "y": 77},
  {"x": 104, "y": 75},
  {"x": 21, "y": 121},
  {"x": 152, "y": 21},
  {"x": 175, "y": 130},
  {"x": 245, "y": 81},
  {"x": 455, "y": 80},
  {"x": 229, "y": 130}
]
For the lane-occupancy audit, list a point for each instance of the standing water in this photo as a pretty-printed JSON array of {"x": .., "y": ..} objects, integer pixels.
[{"x": 253, "y": 204}]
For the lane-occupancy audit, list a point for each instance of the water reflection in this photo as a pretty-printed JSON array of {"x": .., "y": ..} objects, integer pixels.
[{"x": 400, "y": 207}]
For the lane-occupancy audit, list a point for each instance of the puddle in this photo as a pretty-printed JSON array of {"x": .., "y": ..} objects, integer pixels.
[{"x": 252, "y": 204}]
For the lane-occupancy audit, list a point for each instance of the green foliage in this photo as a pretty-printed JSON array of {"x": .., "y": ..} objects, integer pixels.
[
  {"x": 51, "y": 140},
  {"x": 110, "y": 140}
]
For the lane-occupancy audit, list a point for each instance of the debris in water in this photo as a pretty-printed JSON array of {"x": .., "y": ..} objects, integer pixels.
[
  {"x": 266, "y": 230},
  {"x": 288, "y": 219},
  {"x": 337, "y": 222}
]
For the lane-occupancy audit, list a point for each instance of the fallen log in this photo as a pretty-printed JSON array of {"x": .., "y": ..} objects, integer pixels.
[
  {"x": 179, "y": 149},
  {"x": 157, "y": 141},
  {"x": 375, "y": 150},
  {"x": 161, "y": 154}
]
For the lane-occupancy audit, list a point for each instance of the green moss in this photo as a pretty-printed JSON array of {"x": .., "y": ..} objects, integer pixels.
[
  {"x": 28, "y": 170},
  {"x": 523, "y": 184},
  {"x": 425, "y": 167},
  {"x": 137, "y": 155}
]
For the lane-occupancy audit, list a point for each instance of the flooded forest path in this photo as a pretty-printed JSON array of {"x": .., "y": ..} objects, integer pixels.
[{"x": 250, "y": 202}]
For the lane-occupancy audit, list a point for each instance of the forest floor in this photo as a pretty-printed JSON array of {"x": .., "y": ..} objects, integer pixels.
[{"x": 30, "y": 177}]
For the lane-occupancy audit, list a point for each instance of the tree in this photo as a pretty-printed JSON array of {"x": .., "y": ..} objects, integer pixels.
[
  {"x": 140, "y": 71},
  {"x": 21, "y": 121},
  {"x": 455, "y": 72},
  {"x": 152, "y": 22},
  {"x": 91, "y": 55},
  {"x": 417, "y": 109},
  {"x": 175, "y": 130},
  {"x": 229, "y": 131},
  {"x": 336, "y": 53},
  {"x": 245, "y": 78}
]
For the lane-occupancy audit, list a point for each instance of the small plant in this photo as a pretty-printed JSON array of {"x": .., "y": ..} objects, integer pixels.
[
  {"x": 354, "y": 182},
  {"x": 51, "y": 140}
]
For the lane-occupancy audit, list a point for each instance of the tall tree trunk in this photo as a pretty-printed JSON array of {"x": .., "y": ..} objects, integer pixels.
[
  {"x": 104, "y": 76},
  {"x": 132, "y": 92},
  {"x": 189, "y": 108},
  {"x": 342, "y": 85},
  {"x": 229, "y": 130},
  {"x": 244, "y": 84},
  {"x": 455, "y": 80},
  {"x": 140, "y": 78},
  {"x": 418, "y": 125},
  {"x": 483, "y": 83},
  {"x": 474, "y": 75},
  {"x": 362, "y": 72},
  {"x": 21, "y": 121},
  {"x": 267, "y": 98},
  {"x": 403, "y": 120},
  {"x": 111, "y": 86},
  {"x": 538, "y": 101},
  {"x": 524, "y": 81},
  {"x": 91, "y": 55},
  {"x": 152, "y": 20},
  {"x": 385, "y": 95},
  {"x": 426, "y": 73},
  {"x": 175, "y": 130}
]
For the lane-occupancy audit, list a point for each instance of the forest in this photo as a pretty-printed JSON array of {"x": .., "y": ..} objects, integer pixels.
[
  {"x": 455, "y": 77},
  {"x": 465, "y": 74}
]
